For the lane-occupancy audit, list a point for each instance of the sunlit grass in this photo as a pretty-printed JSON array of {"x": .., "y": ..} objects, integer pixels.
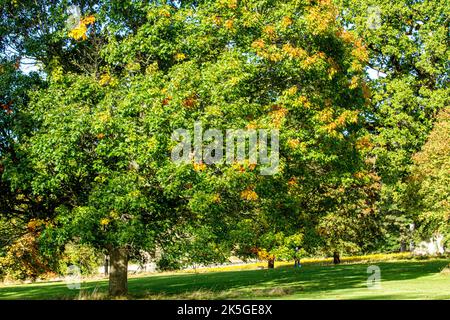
[{"x": 401, "y": 279}]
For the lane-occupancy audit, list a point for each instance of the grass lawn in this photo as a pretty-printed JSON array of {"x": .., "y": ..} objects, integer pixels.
[{"x": 408, "y": 279}]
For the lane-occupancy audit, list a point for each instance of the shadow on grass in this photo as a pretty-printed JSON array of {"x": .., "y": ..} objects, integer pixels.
[{"x": 310, "y": 279}]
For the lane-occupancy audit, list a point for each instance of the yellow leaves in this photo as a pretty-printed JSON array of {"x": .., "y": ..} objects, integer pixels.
[
  {"x": 133, "y": 66},
  {"x": 107, "y": 79},
  {"x": 347, "y": 117},
  {"x": 326, "y": 115},
  {"x": 312, "y": 60},
  {"x": 356, "y": 66},
  {"x": 363, "y": 143},
  {"x": 333, "y": 69},
  {"x": 330, "y": 128},
  {"x": 216, "y": 198},
  {"x": 347, "y": 36},
  {"x": 217, "y": 20},
  {"x": 135, "y": 194},
  {"x": 293, "y": 182},
  {"x": 258, "y": 44},
  {"x": 243, "y": 166},
  {"x": 79, "y": 32},
  {"x": 354, "y": 83},
  {"x": 34, "y": 224},
  {"x": 229, "y": 24},
  {"x": 304, "y": 101},
  {"x": 295, "y": 144},
  {"x": 275, "y": 56},
  {"x": 294, "y": 52},
  {"x": 278, "y": 115},
  {"x": 360, "y": 53},
  {"x": 104, "y": 222},
  {"x": 264, "y": 255},
  {"x": 331, "y": 72},
  {"x": 249, "y": 194},
  {"x": 321, "y": 18},
  {"x": 234, "y": 81},
  {"x": 104, "y": 116},
  {"x": 152, "y": 68},
  {"x": 164, "y": 13},
  {"x": 334, "y": 122},
  {"x": 199, "y": 166},
  {"x": 359, "y": 175},
  {"x": 232, "y": 4},
  {"x": 88, "y": 20},
  {"x": 269, "y": 31},
  {"x": 252, "y": 125},
  {"x": 366, "y": 91},
  {"x": 114, "y": 214},
  {"x": 286, "y": 22},
  {"x": 292, "y": 91},
  {"x": 180, "y": 56},
  {"x": 104, "y": 79}
]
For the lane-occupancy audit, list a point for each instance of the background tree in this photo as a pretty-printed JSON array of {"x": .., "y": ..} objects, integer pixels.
[
  {"x": 427, "y": 196},
  {"x": 408, "y": 46},
  {"x": 101, "y": 140}
]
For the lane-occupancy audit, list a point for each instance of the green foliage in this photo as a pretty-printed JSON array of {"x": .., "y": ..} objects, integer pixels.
[
  {"x": 85, "y": 257},
  {"x": 428, "y": 195},
  {"x": 408, "y": 50},
  {"x": 102, "y": 139},
  {"x": 85, "y": 144},
  {"x": 194, "y": 248}
]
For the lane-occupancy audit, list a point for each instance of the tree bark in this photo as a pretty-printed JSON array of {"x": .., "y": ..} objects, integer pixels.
[
  {"x": 118, "y": 273},
  {"x": 402, "y": 246},
  {"x": 106, "y": 265},
  {"x": 336, "y": 258},
  {"x": 271, "y": 263}
]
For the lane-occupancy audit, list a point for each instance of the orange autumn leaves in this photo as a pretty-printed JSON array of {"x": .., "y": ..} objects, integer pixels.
[
  {"x": 80, "y": 31},
  {"x": 332, "y": 123},
  {"x": 249, "y": 194},
  {"x": 322, "y": 17},
  {"x": 7, "y": 107}
]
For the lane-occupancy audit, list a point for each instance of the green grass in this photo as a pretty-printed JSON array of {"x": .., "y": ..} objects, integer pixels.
[{"x": 409, "y": 279}]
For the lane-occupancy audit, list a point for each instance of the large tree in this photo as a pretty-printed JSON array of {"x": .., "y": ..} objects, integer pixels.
[
  {"x": 427, "y": 199},
  {"x": 101, "y": 132}
]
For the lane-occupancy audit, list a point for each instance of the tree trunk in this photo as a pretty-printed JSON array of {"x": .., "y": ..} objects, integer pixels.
[
  {"x": 336, "y": 259},
  {"x": 118, "y": 277},
  {"x": 402, "y": 246},
  {"x": 271, "y": 263},
  {"x": 106, "y": 265}
]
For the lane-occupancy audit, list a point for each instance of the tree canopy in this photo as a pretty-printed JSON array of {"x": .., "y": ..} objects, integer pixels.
[{"x": 86, "y": 137}]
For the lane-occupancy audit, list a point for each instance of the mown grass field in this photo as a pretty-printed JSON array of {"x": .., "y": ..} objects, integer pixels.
[{"x": 408, "y": 279}]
